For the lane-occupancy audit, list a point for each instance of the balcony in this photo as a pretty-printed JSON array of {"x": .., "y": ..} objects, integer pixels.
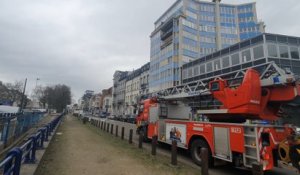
[
  {"x": 167, "y": 42},
  {"x": 166, "y": 34},
  {"x": 144, "y": 86}
]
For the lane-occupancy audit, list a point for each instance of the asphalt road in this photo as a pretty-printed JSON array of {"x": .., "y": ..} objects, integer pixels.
[{"x": 184, "y": 157}]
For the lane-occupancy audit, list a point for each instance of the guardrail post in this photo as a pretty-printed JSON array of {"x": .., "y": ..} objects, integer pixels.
[
  {"x": 33, "y": 150},
  {"x": 122, "y": 133},
  {"x": 38, "y": 137},
  {"x": 130, "y": 136},
  {"x": 51, "y": 126},
  {"x": 153, "y": 144},
  {"x": 49, "y": 129},
  {"x": 46, "y": 133},
  {"x": 117, "y": 130},
  {"x": 16, "y": 154},
  {"x": 28, "y": 147},
  {"x": 204, "y": 161},
  {"x": 174, "y": 153},
  {"x": 43, "y": 131}
]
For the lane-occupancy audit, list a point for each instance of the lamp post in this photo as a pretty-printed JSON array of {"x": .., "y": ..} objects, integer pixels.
[
  {"x": 36, "y": 103},
  {"x": 23, "y": 96},
  {"x": 36, "y": 82}
]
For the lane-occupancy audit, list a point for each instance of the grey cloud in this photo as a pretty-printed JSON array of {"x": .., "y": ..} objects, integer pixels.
[{"x": 82, "y": 42}]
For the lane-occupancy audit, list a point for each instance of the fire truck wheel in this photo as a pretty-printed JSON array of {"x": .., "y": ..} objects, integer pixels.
[
  {"x": 196, "y": 151},
  {"x": 295, "y": 156}
]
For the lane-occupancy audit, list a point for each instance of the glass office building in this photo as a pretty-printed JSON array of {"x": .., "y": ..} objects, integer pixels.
[
  {"x": 256, "y": 52},
  {"x": 191, "y": 29}
]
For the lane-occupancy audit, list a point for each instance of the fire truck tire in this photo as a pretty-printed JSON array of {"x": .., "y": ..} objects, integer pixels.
[
  {"x": 196, "y": 151},
  {"x": 295, "y": 156}
]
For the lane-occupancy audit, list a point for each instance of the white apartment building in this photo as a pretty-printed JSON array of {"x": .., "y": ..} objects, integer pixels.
[
  {"x": 107, "y": 104},
  {"x": 136, "y": 86}
]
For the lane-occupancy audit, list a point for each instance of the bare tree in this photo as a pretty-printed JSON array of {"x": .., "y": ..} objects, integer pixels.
[
  {"x": 56, "y": 97},
  {"x": 11, "y": 92}
]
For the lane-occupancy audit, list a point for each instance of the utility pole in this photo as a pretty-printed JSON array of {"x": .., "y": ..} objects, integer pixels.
[{"x": 23, "y": 96}]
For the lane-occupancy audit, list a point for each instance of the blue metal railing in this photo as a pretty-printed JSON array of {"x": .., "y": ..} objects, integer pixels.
[
  {"x": 13, "y": 125},
  {"x": 11, "y": 164}
]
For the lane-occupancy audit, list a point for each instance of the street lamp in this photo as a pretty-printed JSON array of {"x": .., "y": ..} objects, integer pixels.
[{"x": 37, "y": 79}]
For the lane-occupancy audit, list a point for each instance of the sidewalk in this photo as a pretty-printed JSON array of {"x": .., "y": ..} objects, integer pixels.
[{"x": 82, "y": 149}]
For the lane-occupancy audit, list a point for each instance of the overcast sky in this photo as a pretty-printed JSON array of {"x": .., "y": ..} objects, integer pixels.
[{"x": 81, "y": 43}]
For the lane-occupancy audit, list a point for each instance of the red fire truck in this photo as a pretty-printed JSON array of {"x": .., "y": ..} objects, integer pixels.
[{"x": 237, "y": 122}]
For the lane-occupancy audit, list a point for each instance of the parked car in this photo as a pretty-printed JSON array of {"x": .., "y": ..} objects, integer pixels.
[
  {"x": 131, "y": 119},
  {"x": 112, "y": 117}
]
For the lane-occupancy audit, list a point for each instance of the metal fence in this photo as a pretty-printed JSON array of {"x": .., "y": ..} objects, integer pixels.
[
  {"x": 12, "y": 163},
  {"x": 14, "y": 125}
]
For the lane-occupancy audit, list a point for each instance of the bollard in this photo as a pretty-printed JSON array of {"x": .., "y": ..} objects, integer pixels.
[
  {"x": 98, "y": 125},
  {"x": 130, "y": 136},
  {"x": 104, "y": 126},
  {"x": 174, "y": 153},
  {"x": 154, "y": 143},
  {"x": 141, "y": 140},
  {"x": 117, "y": 128},
  {"x": 112, "y": 129},
  {"x": 204, "y": 161},
  {"x": 101, "y": 125},
  {"x": 107, "y": 128},
  {"x": 257, "y": 169},
  {"x": 122, "y": 133}
]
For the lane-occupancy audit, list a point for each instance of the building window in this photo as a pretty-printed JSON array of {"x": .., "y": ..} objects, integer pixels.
[
  {"x": 294, "y": 52},
  {"x": 196, "y": 70},
  {"x": 184, "y": 74},
  {"x": 217, "y": 64},
  {"x": 208, "y": 39},
  {"x": 272, "y": 50},
  {"x": 190, "y": 73},
  {"x": 191, "y": 14},
  {"x": 209, "y": 67},
  {"x": 235, "y": 59},
  {"x": 246, "y": 56},
  {"x": 283, "y": 50},
  {"x": 225, "y": 62},
  {"x": 258, "y": 52},
  {"x": 189, "y": 24},
  {"x": 202, "y": 69}
]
